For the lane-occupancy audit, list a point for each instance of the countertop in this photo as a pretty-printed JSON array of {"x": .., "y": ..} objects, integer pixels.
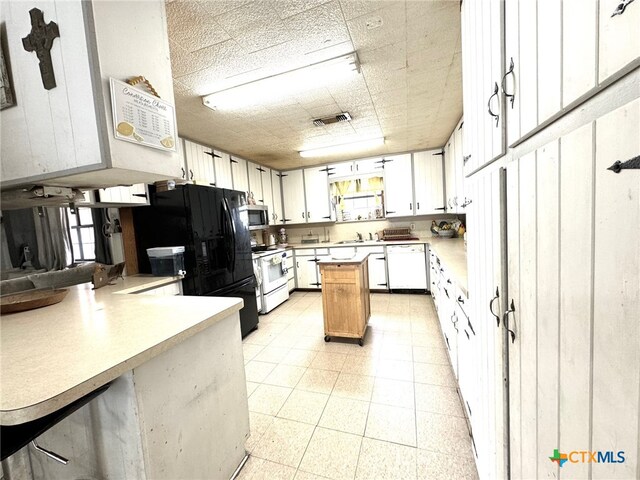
[
  {"x": 54, "y": 355},
  {"x": 357, "y": 259},
  {"x": 453, "y": 254},
  {"x": 366, "y": 243}
]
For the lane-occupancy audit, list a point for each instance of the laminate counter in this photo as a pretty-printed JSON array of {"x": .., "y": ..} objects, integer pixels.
[{"x": 54, "y": 355}]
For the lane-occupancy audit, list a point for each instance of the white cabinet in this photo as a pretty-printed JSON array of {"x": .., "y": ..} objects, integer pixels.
[
  {"x": 407, "y": 267},
  {"x": 224, "y": 176},
  {"x": 618, "y": 38},
  {"x": 361, "y": 167},
  {"x": 127, "y": 195},
  {"x": 316, "y": 187},
  {"x": 482, "y": 65},
  {"x": 291, "y": 272},
  {"x": 556, "y": 281},
  {"x": 377, "y": 267},
  {"x": 66, "y": 133},
  {"x": 459, "y": 199},
  {"x": 307, "y": 274},
  {"x": 255, "y": 183},
  {"x": 199, "y": 164},
  {"x": 428, "y": 182},
  {"x": 240, "y": 174},
  {"x": 293, "y": 197},
  {"x": 277, "y": 214},
  {"x": 267, "y": 192},
  {"x": 397, "y": 189}
]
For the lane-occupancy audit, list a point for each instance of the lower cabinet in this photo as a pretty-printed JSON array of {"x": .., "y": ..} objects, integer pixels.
[
  {"x": 291, "y": 273},
  {"x": 377, "y": 267},
  {"x": 307, "y": 274}
]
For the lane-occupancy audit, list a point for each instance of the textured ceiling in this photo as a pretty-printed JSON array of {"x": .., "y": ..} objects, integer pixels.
[{"x": 409, "y": 90}]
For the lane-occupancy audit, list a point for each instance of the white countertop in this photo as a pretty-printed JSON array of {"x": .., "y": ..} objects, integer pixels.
[
  {"x": 453, "y": 254},
  {"x": 54, "y": 355},
  {"x": 356, "y": 259}
]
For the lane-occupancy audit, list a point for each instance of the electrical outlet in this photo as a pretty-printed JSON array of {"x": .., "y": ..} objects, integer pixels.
[{"x": 412, "y": 226}]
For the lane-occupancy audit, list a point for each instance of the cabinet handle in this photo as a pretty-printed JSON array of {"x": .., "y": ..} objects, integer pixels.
[
  {"x": 183, "y": 172},
  {"x": 302, "y": 214},
  {"x": 505, "y": 320},
  {"x": 621, "y": 7},
  {"x": 418, "y": 205},
  {"x": 391, "y": 211},
  {"x": 460, "y": 299},
  {"x": 496, "y": 297},
  {"x": 449, "y": 203},
  {"x": 440, "y": 208},
  {"x": 190, "y": 174},
  {"x": 298, "y": 264},
  {"x": 495, "y": 94},
  {"x": 410, "y": 205},
  {"x": 510, "y": 96},
  {"x": 308, "y": 215}
]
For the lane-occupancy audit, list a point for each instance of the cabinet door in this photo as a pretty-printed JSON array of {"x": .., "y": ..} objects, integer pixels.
[
  {"x": 277, "y": 215},
  {"x": 368, "y": 166},
  {"x": 345, "y": 169},
  {"x": 512, "y": 65},
  {"x": 449, "y": 174},
  {"x": 293, "y": 197},
  {"x": 199, "y": 164},
  {"x": 428, "y": 182},
  {"x": 255, "y": 183},
  {"x": 306, "y": 272},
  {"x": 527, "y": 82},
  {"x": 316, "y": 187},
  {"x": 398, "y": 194},
  {"x": 460, "y": 200},
  {"x": 240, "y": 174},
  {"x": 267, "y": 192},
  {"x": 579, "y": 54},
  {"x": 549, "y": 64},
  {"x": 224, "y": 177},
  {"x": 619, "y": 40},
  {"x": 377, "y": 267}
]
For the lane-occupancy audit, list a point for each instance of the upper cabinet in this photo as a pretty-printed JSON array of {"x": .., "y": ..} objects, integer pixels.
[
  {"x": 222, "y": 162},
  {"x": 316, "y": 186},
  {"x": 240, "y": 174},
  {"x": 199, "y": 164},
  {"x": 276, "y": 212},
  {"x": 482, "y": 64},
  {"x": 255, "y": 182},
  {"x": 558, "y": 54},
  {"x": 64, "y": 135},
  {"x": 428, "y": 182},
  {"x": 398, "y": 192},
  {"x": 293, "y": 197}
]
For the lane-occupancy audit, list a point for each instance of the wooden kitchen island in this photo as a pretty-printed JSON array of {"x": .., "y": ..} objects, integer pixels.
[
  {"x": 345, "y": 296},
  {"x": 176, "y": 406}
]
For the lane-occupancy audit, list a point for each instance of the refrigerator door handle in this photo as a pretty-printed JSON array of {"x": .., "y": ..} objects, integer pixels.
[{"x": 232, "y": 231}]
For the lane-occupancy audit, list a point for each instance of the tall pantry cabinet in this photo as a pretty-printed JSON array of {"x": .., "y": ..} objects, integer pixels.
[{"x": 553, "y": 244}]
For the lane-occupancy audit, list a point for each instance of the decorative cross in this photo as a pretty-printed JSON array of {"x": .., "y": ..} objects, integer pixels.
[{"x": 40, "y": 40}]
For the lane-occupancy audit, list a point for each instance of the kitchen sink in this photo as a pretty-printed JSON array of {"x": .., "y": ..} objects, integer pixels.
[{"x": 342, "y": 242}]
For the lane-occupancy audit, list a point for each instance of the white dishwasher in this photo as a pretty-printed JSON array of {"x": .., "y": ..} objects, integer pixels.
[{"x": 407, "y": 267}]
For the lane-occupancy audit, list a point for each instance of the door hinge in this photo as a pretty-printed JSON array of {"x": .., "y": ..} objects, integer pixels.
[
  {"x": 260, "y": 169},
  {"x": 232, "y": 160},
  {"x": 438, "y": 154},
  {"x": 214, "y": 155},
  {"x": 631, "y": 164},
  {"x": 461, "y": 124}
]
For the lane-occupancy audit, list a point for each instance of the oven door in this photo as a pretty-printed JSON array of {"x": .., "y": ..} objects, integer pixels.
[{"x": 274, "y": 272}]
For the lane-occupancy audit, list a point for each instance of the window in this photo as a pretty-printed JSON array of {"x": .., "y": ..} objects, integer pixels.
[{"x": 82, "y": 234}]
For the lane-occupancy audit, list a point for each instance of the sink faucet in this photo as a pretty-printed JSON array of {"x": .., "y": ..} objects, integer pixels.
[
  {"x": 370, "y": 236},
  {"x": 359, "y": 236}
]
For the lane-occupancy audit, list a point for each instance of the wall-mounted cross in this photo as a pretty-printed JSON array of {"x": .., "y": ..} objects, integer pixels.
[{"x": 40, "y": 40}]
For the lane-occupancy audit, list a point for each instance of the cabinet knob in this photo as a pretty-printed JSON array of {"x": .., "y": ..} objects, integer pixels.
[
  {"x": 495, "y": 94},
  {"x": 510, "y": 96},
  {"x": 496, "y": 297}
]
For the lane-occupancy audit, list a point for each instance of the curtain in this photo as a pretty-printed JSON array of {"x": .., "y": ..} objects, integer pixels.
[
  {"x": 52, "y": 234},
  {"x": 101, "y": 224}
]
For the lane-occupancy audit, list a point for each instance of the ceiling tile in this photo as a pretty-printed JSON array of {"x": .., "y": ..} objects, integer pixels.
[{"x": 189, "y": 27}]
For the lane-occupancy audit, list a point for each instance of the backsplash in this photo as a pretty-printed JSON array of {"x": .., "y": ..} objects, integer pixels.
[{"x": 347, "y": 231}]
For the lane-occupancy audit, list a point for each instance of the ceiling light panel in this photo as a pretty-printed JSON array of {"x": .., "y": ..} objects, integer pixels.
[{"x": 285, "y": 85}]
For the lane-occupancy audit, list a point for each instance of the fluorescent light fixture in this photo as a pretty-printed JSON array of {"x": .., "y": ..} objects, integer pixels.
[
  {"x": 343, "y": 148},
  {"x": 284, "y": 85}
]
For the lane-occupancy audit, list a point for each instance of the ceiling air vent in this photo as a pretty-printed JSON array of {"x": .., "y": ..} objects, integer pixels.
[{"x": 341, "y": 117}]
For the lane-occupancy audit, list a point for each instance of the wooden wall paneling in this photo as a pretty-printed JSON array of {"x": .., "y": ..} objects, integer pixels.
[
  {"x": 549, "y": 58},
  {"x": 548, "y": 301},
  {"x": 576, "y": 248},
  {"x": 528, "y": 80},
  {"x": 511, "y": 26},
  {"x": 619, "y": 41},
  {"x": 526, "y": 314},
  {"x": 513, "y": 236},
  {"x": 129, "y": 241},
  {"x": 579, "y": 48},
  {"x": 616, "y": 330}
]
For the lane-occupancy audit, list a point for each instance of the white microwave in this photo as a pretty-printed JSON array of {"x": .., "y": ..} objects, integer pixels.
[{"x": 258, "y": 217}]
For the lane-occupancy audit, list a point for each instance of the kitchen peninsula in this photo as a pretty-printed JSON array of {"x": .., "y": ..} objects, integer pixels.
[{"x": 177, "y": 404}]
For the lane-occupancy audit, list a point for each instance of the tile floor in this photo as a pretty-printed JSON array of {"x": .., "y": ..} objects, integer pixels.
[{"x": 387, "y": 410}]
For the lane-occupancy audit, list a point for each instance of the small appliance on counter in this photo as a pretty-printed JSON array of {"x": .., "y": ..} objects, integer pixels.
[
  {"x": 166, "y": 261},
  {"x": 283, "y": 238},
  {"x": 271, "y": 242}
]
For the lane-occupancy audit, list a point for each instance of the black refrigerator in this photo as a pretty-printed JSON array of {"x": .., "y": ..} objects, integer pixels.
[{"x": 213, "y": 226}]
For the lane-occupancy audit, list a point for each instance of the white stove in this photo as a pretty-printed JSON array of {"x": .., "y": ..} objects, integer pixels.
[{"x": 270, "y": 268}]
